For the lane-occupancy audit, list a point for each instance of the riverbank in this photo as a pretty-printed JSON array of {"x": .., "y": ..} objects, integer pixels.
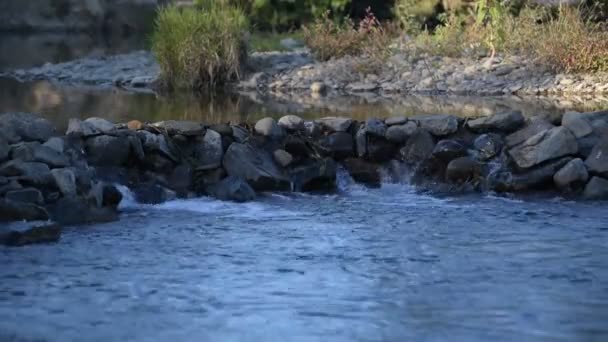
[{"x": 71, "y": 178}]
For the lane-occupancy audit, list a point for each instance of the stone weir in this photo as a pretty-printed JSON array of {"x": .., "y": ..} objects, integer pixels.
[{"x": 48, "y": 180}]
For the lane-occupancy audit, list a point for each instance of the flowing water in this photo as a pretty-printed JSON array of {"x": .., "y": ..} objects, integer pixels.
[{"x": 388, "y": 264}]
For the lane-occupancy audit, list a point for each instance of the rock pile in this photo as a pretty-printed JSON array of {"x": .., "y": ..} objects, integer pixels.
[{"x": 69, "y": 179}]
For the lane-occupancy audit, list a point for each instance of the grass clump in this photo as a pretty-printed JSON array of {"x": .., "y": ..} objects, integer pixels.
[
  {"x": 200, "y": 47},
  {"x": 563, "y": 39},
  {"x": 328, "y": 39}
]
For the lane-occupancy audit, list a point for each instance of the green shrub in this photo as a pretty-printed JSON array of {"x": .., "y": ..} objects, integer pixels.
[{"x": 200, "y": 47}]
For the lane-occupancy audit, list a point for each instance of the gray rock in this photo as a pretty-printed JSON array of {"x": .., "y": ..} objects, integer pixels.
[
  {"x": 282, "y": 158},
  {"x": 379, "y": 149},
  {"x": 399, "y": 134},
  {"x": 21, "y": 211},
  {"x": 224, "y": 129},
  {"x": 361, "y": 141},
  {"x": 540, "y": 177},
  {"x": 461, "y": 170},
  {"x": 180, "y": 180},
  {"x": 550, "y": 144},
  {"x": 9, "y": 186},
  {"x": 156, "y": 143},
  {"x": 395, "y": 120},
  {"x": 26, "y": 195},
  {"x": 360, "y": 87},
  {"x": 174, "y": 127},
  {"x": 65, "y": 179},
  {"x": 418, "y": 148},
  {"x": 572, "y": 173},
  {"x": 577, "y": 124},
  {"x": 488, "y": 145},
  {"x": 80, "y": 128},
  {"x": 291, "y": 122},
  {"x": 153, "y": 193},
  {"x": 137, "y": 148},
  {"x": 339, "y": 145},
  {"x": 597, "y": 162},
  {"x": 504, "y": 122},
  {"x": 17, "y": 234},
  {"x": 55, "y": 143},
  {"x": 335, "y": 124},
  {"x": 105, "y": 150},
  {"x": 315, "y": 175},
  {"x": 34, "y": 152},
  {"x": 375, "y": 127},
  {"x": 210, "y": 152},
  {"x": 232, "y": 188},
  {"x": 100, "y": 125},
  {"x": 256, "y": 166},
  {"x": 240, "y": 134},
  {"x": 596, "y": 189},
  {"x": 24, "y": 126},
  {"x": 533, "y": 127},
  {"x": 268, "y": 127},
  {"x": 439, "y": 124},
  {"x": 4, "y": 148},
  {"x": 32, "y": 173},
  {"x": 363, "y": 171},
  {"x": 446, "y": 150}
]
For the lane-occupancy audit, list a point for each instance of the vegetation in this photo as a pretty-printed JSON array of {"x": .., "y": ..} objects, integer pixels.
[{"x": 200, "y": 47}]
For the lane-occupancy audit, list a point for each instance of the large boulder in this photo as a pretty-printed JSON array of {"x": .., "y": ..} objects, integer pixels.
[
  {"x": 291, "y": 123},
  {"x": 157, "y": 143},
  {"x": 180, "y": 180},
  {"x": 256, "y": 166},
  {"x": 34, "y": 152},
  {"x": 375, "y": 127},
  {"x": 31, "y": 173},
  {"x": 597, "y": 162},
  {"x": 182, "y": 127},
  {"x": 335, "y": 124},
  {"x": 596, "y": 189},
  {"x": 577, "y": 124},
  {"x": 153, "y": 193},
  {"x": 25, "y": 127},
  {"x": 232, "y": 188},
  {"x": 547, "y": 145},
  {"x": 399, "y": 134},
  {"x": 282, "y": 157},
  {"x": 240, "y": 134},
  {"x": 89, "y": 127},
  {"x": 21, "y": 211},
  {"x": 447, "y": 149},
  {"x": 418, "y": 148},
  {"x": 363, "y": 171},
  {"x": 106, "y": 150},
  {"x": 572, "y": 174},
  {"x": 534, "y": 126},
  {"x": 209, "y": 153},
  {"x": 461, "y": 170},
  {"x": 438, "y": 124},
  {"x": 488, "y": 146},
  {"x": 65, "y": 179},
  {"x": 25, "y": 195},
  {"x": 268, "y": 127},
  {"x": 504, "y": 122},
  {"x": 69, "y": 211},
  {"x": 338, "y": 144},
  {"x": 379, "y": 149},
  {"x": 17, "y": 234},
  {"x": 315, "y": 175},
  {"x": 540, "y": 177}
]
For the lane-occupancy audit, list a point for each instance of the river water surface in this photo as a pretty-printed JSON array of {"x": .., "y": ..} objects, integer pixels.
[{"x": 386, "y": 264}]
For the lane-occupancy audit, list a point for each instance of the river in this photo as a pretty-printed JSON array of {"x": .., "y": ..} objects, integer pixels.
[{"x": 387, "y": 264}]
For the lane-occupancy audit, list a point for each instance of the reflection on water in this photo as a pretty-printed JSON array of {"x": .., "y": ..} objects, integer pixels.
[{"x": 60, "y": 103}]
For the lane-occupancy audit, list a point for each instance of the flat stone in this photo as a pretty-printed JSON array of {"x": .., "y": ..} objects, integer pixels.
[
  {"x": 21, "y": 211},
  {"x": 100, "y": 125},
  {"x": 399, "y": 134},
  {"x": 17, "y": 234},
  {"x": 360, "y": 87},
  {"x": 577, "y": 124},
  {"x": 292, "y": 122},
  {"x": 395, "y": 120},
  {"x": 549, "y": 144},
  {"x": 596, "y": 189},
  {"x": 26, "y": 195},
  {"x": 28, "y": 172},
  {"x": 504, "y": 122},
  {"x": 187, "y": 128},
  {"x": 335, "y": 124},
  {"x": 34, "y": 152},
  {"x": 597, "y": 162},
  {"x": 574, "y": 172},
  {"x": 533, "y": 127},
  {"x": 55, "y": 143},
  {"x": 438, "y": 125},
  {"x": 65, "y": 179}
]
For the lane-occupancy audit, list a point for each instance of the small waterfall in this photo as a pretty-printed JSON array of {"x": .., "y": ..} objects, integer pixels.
[{"x": 128, "y": 197}]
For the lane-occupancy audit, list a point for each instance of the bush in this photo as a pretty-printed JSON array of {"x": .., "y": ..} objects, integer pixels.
[
  {"x": 328, "y": 39},
  {"x": 200, "y": 47}
]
